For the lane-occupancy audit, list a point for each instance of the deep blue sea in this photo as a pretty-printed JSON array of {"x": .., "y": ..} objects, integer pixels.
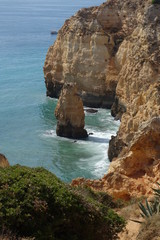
[{"x": 27, "y": 122}]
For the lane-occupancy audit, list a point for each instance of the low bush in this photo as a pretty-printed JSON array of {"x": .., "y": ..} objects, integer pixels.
[
  {"x": 155, "y": 1},
  {"x": 150, "y": 213},
  {"x": 35, "y": 203},
  {"x": 150, "y": 229}
]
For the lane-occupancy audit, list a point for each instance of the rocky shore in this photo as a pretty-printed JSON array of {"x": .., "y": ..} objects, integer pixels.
[{"x": 112, "y": 53}]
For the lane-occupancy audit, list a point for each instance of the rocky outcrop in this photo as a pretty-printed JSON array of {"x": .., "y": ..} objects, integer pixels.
[
  {"x": 115, "y": 148},
  {"x": 108, "y": 50},
  {"x": 3, "y": 161},
  {"x": 137, "y": 170},
  {"x": 135, "y": 151},
  {"x": 84, "y": 54},
  {"x": 138, "y": 59},
  {"x": 85, "y": 51},
  {"x": 70, "y": 113}
]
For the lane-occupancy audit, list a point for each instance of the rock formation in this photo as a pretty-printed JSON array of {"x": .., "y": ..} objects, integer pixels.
[
  {"x": 138, "y": 60},
  {"x": 136, "y": 172},
  {"x": 108, "y": 50},
  {"x": 3, "y": 161},
  {"x": 82, "y": 54},
  {"x": 70, "y": 113},
  {"x": 138, "y": 91}
]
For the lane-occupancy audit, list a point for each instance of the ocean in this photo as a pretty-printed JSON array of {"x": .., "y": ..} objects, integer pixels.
[{"x": 27, "y": 122}]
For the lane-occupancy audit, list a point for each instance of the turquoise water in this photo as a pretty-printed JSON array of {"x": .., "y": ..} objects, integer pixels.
[{"x": 27, "y": 122}]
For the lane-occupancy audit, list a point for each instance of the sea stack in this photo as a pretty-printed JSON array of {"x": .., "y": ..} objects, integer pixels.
[{"x": 70, "y": 113}]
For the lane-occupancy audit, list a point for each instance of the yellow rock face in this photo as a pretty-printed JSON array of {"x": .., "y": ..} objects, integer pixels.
[
  {"x": 82, "y": 54},
  {"x": 70, "y": 113},
  {"x": 3, "y": 161},
  {"x": 136, "y": 169},
  {"x": 108, "y": 49}
]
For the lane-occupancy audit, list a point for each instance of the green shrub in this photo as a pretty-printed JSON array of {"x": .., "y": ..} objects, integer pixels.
[
  {"x": 35, "y": 203},
  {"x": 150, "y": 208},
  {"x": 150, "y": 229},
  {"x": 155, "y": 1}
]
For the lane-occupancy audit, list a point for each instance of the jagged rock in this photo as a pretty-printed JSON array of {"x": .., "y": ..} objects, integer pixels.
[
  {"x": 82, "y": 54},
  {"x": 137, "y": 60},
  {"x": 138, "y": 86},
  {"x": 70, "y": 113},
  {"x": 113, "y": 50},
  {"x": 137, "y": 171},
  {"x": 115, "y": 147},
  {"x": 139, "y": 167},
  {"x": 3, "y": 161},
  {"x": 117, "y": 109}
]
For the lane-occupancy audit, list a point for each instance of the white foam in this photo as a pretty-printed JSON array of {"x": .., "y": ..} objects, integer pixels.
[
  {"x": 88, "y": 155},
  {"x": 49, "y": 133}
]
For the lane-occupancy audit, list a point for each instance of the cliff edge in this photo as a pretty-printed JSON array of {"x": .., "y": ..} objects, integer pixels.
[{"x": 112, "y": 52}]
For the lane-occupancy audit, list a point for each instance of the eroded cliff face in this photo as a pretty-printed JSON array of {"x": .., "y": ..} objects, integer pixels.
[
  {"x": 137, "y": 171},
  {"x": 85, "y": 49},
  {"x": 138, "y": 59},
  {"x": 84, "y": 54},
  {"x": 116, "y": 48},
  {"x": 138, "y": 91}
]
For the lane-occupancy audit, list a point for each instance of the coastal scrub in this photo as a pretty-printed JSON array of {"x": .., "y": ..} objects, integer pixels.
[
  {"x": 155, "y": 1},
  {"x": 35, "y": 203}
]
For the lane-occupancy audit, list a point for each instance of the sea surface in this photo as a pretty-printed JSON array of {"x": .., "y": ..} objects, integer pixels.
[{"x": 27, "y": 122}]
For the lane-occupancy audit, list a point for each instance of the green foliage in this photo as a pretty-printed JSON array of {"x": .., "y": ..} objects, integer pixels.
[
  {"x": 35, "y": 203},
  {"x": 101, "y": 199},
  {"x": 155, "y": 1},
  {"x": 150, "y": 208},
  {"x": 157, "y": 190}
]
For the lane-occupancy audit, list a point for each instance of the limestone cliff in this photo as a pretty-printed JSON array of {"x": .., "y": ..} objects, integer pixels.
[
  {"x": 3, "y": 161},
  {"x": 84, "y": 53},
  {"x": 70, "y": 113},
  {"x": 85, "y": 49},
  {"x": 115, "y": 48},
  {"x": 138, "y": 60},
  {"x": 138, "y": 91}
]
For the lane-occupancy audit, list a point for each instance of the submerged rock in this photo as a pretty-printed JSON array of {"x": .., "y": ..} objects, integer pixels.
[
  {"x": 3, "y": 161},
  {"x": 70, "y": 113},
  {"x": 91, "y": 110},
  {"x": 54, "y": 32}
]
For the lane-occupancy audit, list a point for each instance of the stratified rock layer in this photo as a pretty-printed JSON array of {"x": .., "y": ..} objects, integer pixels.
[
  {"x": 116, "y": 47},
  {"x": 70, "y": 113},
  {"x": 138, "y": 90},
  {"x": 138, "y": 170},
  {"x": 138, "y": 59},
  {"x": 84, "y": 54}
]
